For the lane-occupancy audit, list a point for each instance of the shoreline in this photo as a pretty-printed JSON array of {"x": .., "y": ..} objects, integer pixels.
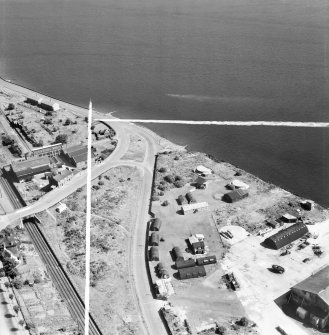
[{"x": 25, "y": 91}]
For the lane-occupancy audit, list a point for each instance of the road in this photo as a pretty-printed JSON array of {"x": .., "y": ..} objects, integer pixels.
[{"x": 148, "y": 306}]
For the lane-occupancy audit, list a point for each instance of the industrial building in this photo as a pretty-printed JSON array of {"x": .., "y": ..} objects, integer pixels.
[
  {"x": 154, "y": 254},
  {"x": 177, "y": 254},
  {"x": 156, "y": 224},
  {"x": 235, "y": 195},
  {"x": 311, "y": 296},
  {"x": 286, "y": 236},
  {"x": 154, "y": 239},
  {"x": 192, "y": 272},
  {"x": 193, "y": 208},
  {"x": 27, "y": 169},
  {"x": 206, "y": 260},
  {"x": 187, "y": 263}
]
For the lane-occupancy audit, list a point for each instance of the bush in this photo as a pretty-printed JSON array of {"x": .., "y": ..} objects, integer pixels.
[
  {"x": 49, "y": 113},
  {"x": 169, "y": 178},
  {"x": 221, "y": 330},
  {"x": 30, "y": 325},
  {"x": 10, "y": 107},
  {"x": 243, "y": 322},
  {"x": 18, "y": 283},
  {"x": 165, "y": 203},
  {"x": 101, "y": 182},
  {"x": 176, "y": 158},
  {"x": 155, "y": 198},
  {"x": 16, "y": 309},
  {"x": 7, "y": 140},
  {"x": 48, "y": 121},
  {"x": 162, "y": 169},
  {"x": 67, "y": 122},
  {"x": 61, "y": 138},
  {"x": 161, "y": 193},
  {"x": 179, "y": 183}
]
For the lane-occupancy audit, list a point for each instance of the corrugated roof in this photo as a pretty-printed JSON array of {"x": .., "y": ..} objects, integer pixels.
[{"x": 317, "y": 284}]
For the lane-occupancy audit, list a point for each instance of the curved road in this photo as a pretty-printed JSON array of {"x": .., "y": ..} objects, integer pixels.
[{"x": 149, "y": 307}]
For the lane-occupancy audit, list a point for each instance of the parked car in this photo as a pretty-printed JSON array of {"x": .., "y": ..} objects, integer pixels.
[{"x": 277, "y": 268}]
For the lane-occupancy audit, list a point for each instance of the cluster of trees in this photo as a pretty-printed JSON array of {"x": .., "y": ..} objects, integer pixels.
[{"x": 61, "y": 138}]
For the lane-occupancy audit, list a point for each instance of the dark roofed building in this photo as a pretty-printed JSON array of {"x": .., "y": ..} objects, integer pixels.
[
  {"x": 206, "y": 260},
  {"x": 62, "y": 178},
  {"x": 193, "y": 272},
  {"x": 77, "y": 155},
  {"x": 154, "y": 254},
  {"x": 198, "y": 247},
  {"x": 156, "y": 224},
  {"x": 155, "y": 239},
  {"x": 286, "y": 236},
  {"x": 177, "y": 253},
  {"x": 312, "y": 297},
  {"x": 235, "y": 195},
  {"x": 26, "y": 169},
  {"x": 187, "y": 263}
]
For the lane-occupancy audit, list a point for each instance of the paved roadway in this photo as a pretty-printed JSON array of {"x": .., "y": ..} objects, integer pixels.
[{"x": 149, "y": 307}]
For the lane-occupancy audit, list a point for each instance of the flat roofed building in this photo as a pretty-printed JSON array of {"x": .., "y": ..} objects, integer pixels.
[
  {"x": 288, "y": 218},
  {"x": 196, "y": 207},
  {"x": 192, "y": 272},
  {"x": 312, "y": 294},
  {"x": 286, "y": 236}
]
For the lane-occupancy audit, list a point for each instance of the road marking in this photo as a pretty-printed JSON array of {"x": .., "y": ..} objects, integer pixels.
[{"x": 227, "y": 123}]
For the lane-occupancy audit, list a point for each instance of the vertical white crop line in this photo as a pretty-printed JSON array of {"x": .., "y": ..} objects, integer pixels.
[{"x": 88, "y": 216}]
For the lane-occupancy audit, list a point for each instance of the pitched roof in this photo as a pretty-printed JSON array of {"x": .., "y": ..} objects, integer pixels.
[
  {"x": 33, "y": 162},
  {"x": 64, "y": 174},
  {"x": 318, "y": 284}
]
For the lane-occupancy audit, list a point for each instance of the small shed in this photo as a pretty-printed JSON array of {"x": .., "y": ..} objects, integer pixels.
[
  {"x": 307, "y": 204},
  {"x": 61, "y": 208},
  {"x": 288, "y": 218},
  {"x": 187, "y": 263},
  {"x": 235, "y": 195},
  {"x": 177, "y": 253},
  {"x": 156, "y": 224},
  {"x": 154, "y": 254},
  {"x": 274, "y": 223},
  {"x": 154, "y": 239},
  {"x": 206, "y": 260},
  {"x": 181, "y": 200},
  {"x": 237, "y": 184},
  {"x": 198, "y": 247},
  {"x": 202, "y": 170},
  {"x": 190, "y": 198},
  {"x": 193, "y": 272},
  {"x": 162, "y": 271},
  {"x": 201, "y": 182}
]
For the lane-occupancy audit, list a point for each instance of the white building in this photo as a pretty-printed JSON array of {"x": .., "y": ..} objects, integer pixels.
[
  {"x": 195, "y": 207},
  {"x": 61, "y": 208}
]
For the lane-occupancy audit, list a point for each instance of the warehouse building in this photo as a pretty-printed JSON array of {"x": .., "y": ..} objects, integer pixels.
[
  {"x": 193, "y": 272},
  {"x": 25, "y": 170},
  {"x": 156, "y": 224},
  {"x": 154, "y": 254},
  {"x": 177, "y": 254},
  {"x": 193, "y": 208},
  {"x": 286, "y": 236},
  {"x": 188, "y": 263},
  {"x": 235, "y": 195},
  {"x": 312, "y": 298},
  {"x": 154, "y": 239},
  {"x": 76, "y": 155}
]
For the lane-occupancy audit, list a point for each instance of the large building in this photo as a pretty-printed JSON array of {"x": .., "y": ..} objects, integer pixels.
[
  {"x": 286, "y": 236},
  {"x": 49, "y": 150},
  {"x": 76, "y": 155},
  {"x": 192, "y": 272},
  {"x": 27, "y": 169},
  {"x": 311, "y": 296}
]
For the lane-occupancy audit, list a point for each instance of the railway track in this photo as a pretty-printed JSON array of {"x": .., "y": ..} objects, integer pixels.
[
  {"x": 61, "y": 280},
  {"x": 11, "y": 193}
]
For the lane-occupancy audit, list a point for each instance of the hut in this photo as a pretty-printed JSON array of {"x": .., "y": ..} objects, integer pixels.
[
  {"x": 181, "y": 200},
  {"x": 206, "y": 260},
  {"x": 187, "y": 263},
  {"x": 286, "y": 236},
  {"x": 155, "y": 239},
  {"x": 162, "y": 271},
  {"x": 198, "y": 247},
  {"x": 190, "y": 198},
  {"x": 193, "y": 272},
  {"x": 156, "y": 224},
  {"x": 154, "y": 254},
  {"x": 177, "y": 253},
  {"x": 235, "y": 195},
  {"x": 288, "y": 218}
]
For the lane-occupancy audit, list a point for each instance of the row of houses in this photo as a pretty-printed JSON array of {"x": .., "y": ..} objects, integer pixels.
[{"x": 43, "y": 103}]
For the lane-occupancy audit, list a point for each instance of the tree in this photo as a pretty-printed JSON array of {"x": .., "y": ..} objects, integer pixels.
[
  {"x": 18, "y": 283},
  {"x": 86, "y": 119},
  {"x": 169, "y": 178},
  {"x": 11, "y": 106},
  {"x": 2, "y": 273},
  {"x": 179, "y": 183},
  {"x": 49, "y": 113},
  {"x": 7, "y": 140},
  {"x": 21, "y": 322},
  {"x": 7, "y": 284},
  {"x": 61, "y": 138},
  {"x": 165, "y": 203},
  {"x": 221, "y": 330},
  {"x": 11, "y": 296},
  {"x": 162, "y": 169},
  {"x": 16, "y": 309},
  {"x": 67, "y": 122},
  {"x": 243, "y": 322},
  {"x": 48, "y": 121}
]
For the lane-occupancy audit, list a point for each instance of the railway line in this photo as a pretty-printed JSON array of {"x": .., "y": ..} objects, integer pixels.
[
  {"x": 61, "y": 280},
  {"x": 11, "y": 193}
]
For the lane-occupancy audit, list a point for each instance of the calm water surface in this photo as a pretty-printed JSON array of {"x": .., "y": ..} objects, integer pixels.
[{"x": 189, "y": 59}]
